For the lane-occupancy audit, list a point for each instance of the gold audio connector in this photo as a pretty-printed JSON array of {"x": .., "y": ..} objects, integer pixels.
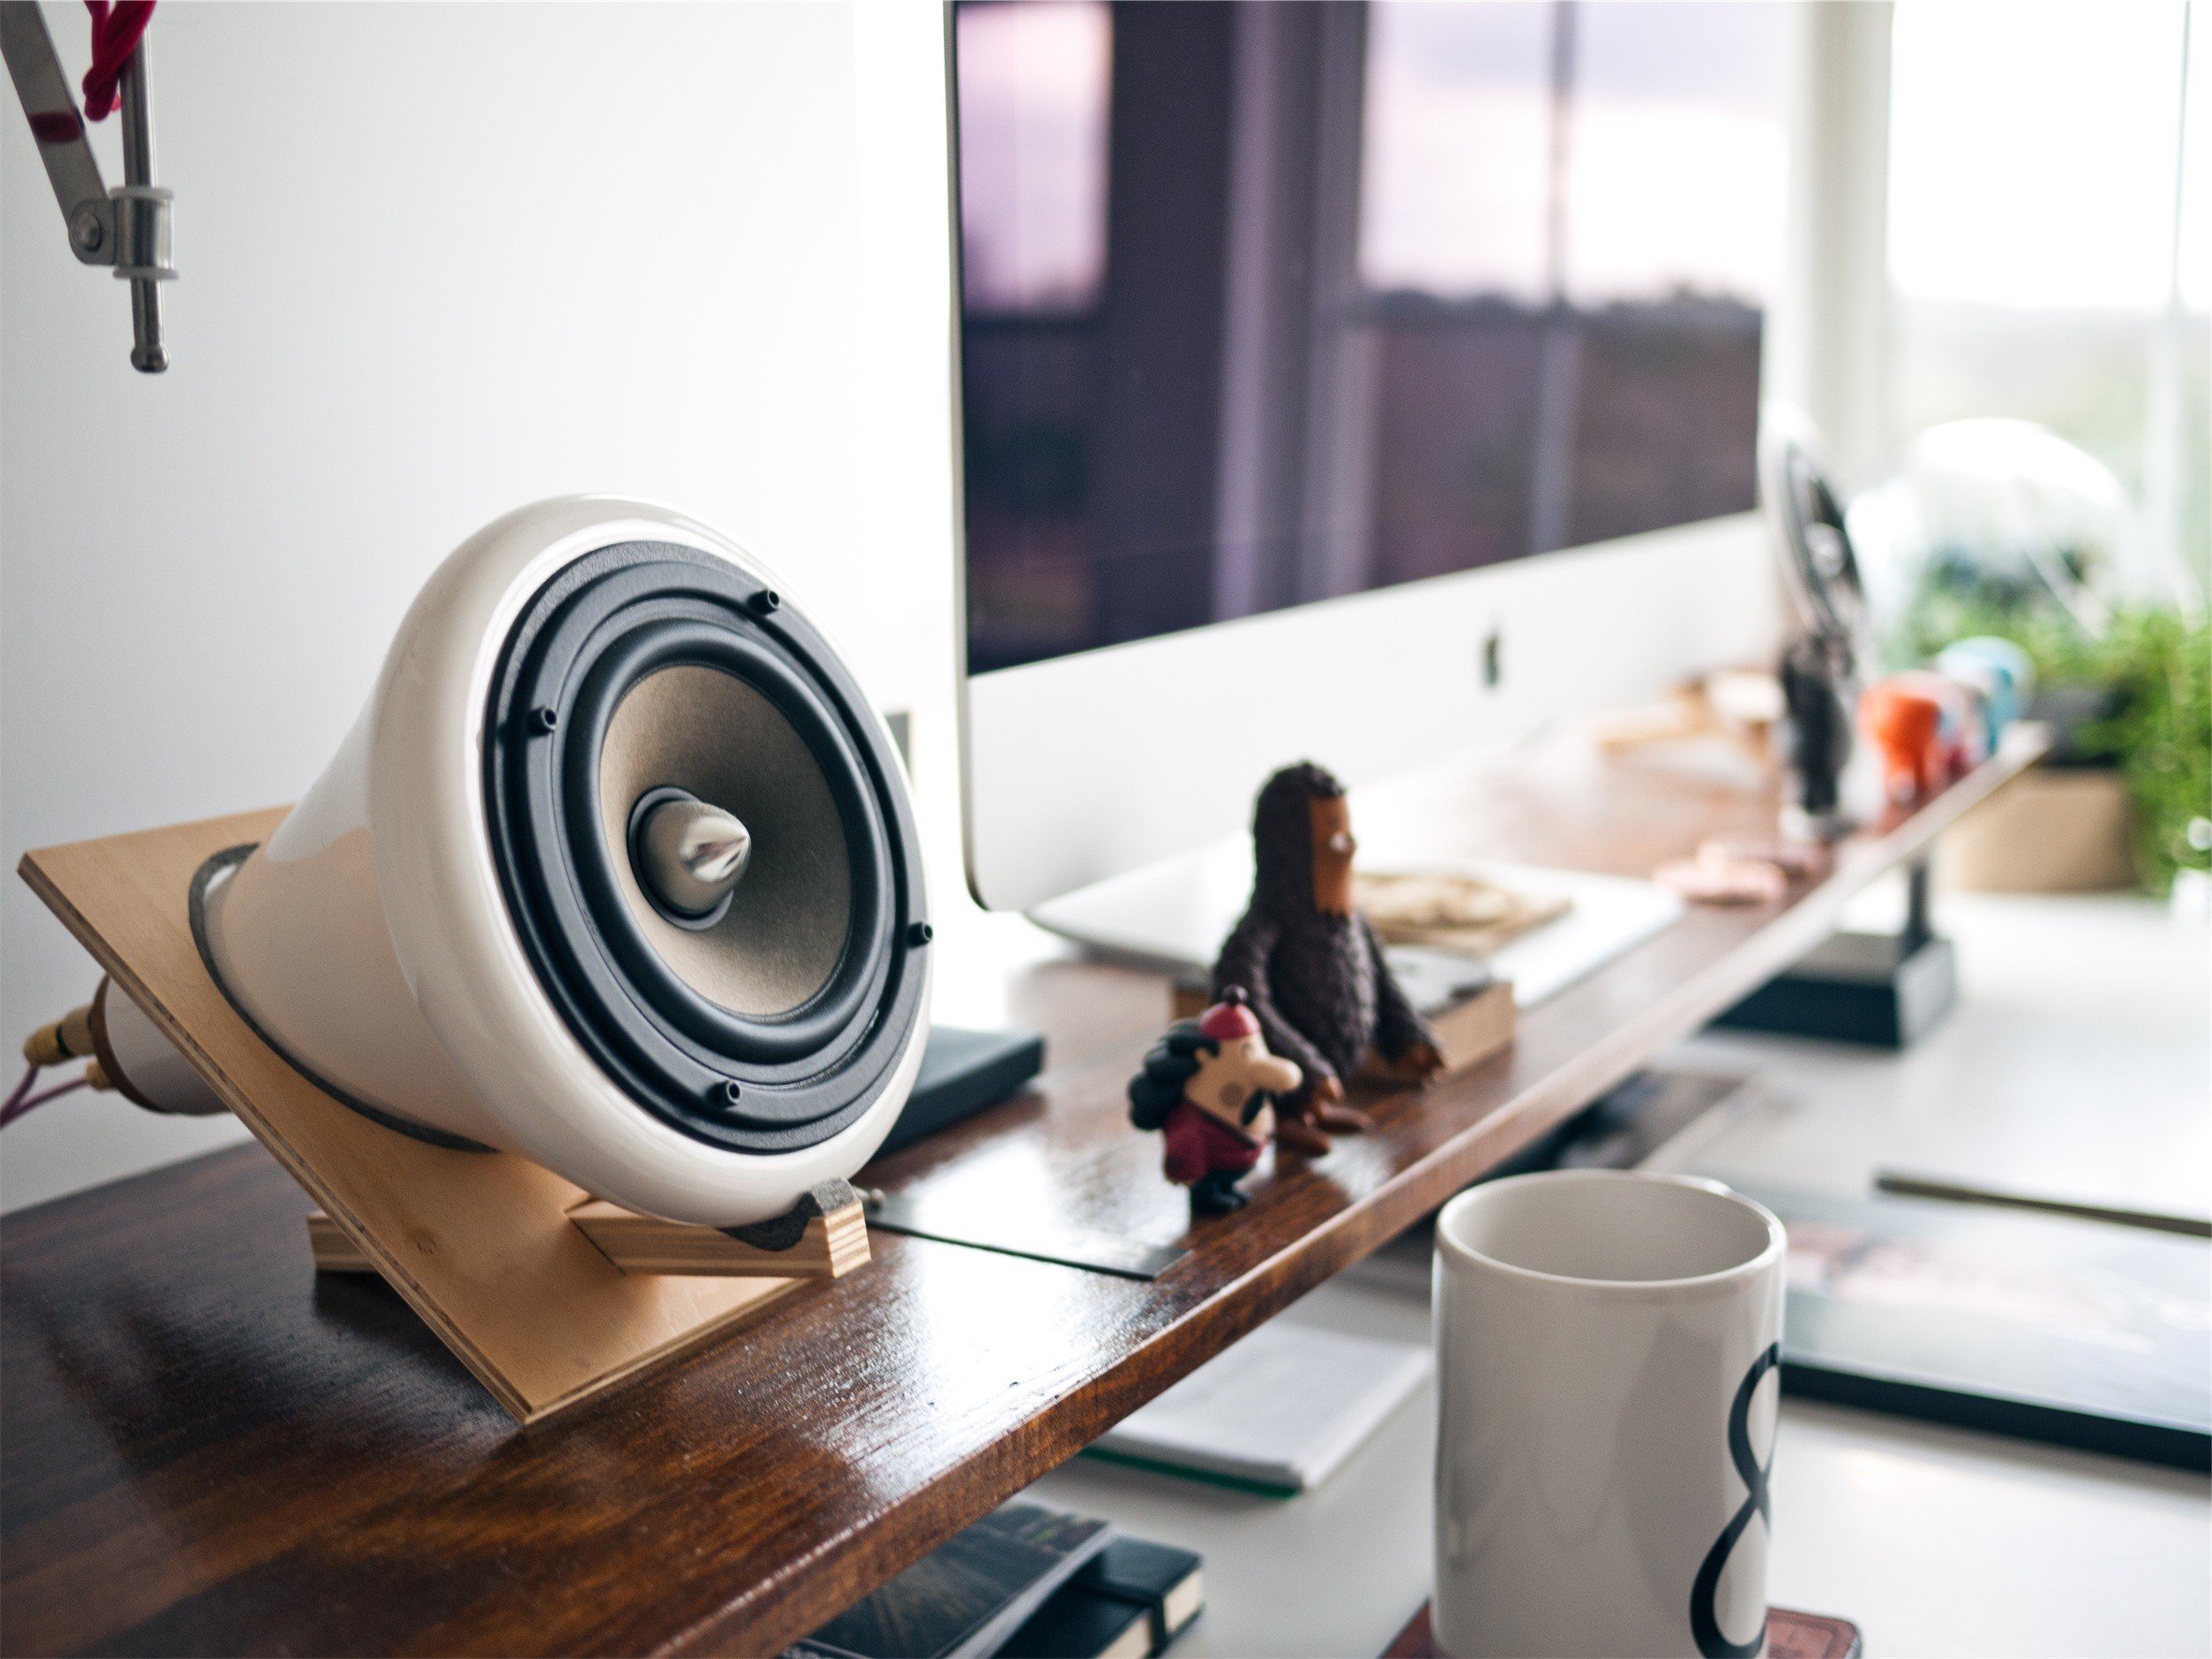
[{"x": 68, "y": 1038}]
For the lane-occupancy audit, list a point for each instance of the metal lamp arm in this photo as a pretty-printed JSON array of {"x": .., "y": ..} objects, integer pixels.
[{"x": 127, "y": 227}]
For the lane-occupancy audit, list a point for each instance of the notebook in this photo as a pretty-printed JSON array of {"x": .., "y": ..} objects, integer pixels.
[
  {"x": 2051, "y": 1328},
  {"x": 964, "y": 1598},
  {"x": 1277, "y": 1414},
  {"x": 1128, "y": 1602},
  {"x": 1075, "y": 1626}
]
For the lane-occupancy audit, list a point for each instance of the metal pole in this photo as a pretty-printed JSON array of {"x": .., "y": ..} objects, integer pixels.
[
  {"x": 1918, "y": 928},
  {"x": 146, "y": 238}
]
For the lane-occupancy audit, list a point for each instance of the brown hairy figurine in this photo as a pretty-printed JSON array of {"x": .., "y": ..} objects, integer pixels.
[{"x": 1311, "y": 965}]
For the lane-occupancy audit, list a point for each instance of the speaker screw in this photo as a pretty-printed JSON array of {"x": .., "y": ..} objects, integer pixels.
[
  {"x": 766, "y": 600},
  {"x": 920, "y": 933},
  {"x": 727, "y": 1094},
  {"x": 542, "y": 720}
]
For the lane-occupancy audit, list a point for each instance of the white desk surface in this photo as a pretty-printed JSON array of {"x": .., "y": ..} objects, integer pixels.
[{"x": 1936, "y": 1541}]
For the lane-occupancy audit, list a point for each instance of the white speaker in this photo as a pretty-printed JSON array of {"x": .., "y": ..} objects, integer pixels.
[{"x": 618, "y": 870}]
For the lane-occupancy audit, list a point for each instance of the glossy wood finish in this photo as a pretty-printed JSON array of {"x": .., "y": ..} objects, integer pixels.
[{"x": 208, "y": 1450}]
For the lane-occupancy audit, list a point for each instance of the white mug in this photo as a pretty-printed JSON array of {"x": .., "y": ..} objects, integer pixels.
[{"x": 1608, "y": 1352}]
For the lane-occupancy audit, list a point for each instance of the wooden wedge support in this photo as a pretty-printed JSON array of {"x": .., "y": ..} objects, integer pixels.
[
  {"x": 832, "y": 1246},
  {"x": 334, "y": 1252}
]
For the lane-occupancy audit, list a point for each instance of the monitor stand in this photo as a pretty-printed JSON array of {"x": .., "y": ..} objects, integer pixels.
[
  {"x": 1171, "y": 917},
  {"x": 1879, "y": 988}
]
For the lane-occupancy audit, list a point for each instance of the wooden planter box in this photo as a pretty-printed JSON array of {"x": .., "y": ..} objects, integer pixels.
[{"x": 2054, "y": 830}]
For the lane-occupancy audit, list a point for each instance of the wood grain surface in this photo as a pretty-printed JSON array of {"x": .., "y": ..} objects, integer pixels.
[{"x": 209, "y": 1450}]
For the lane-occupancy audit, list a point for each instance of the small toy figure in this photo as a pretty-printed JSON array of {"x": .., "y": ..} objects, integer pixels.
[
  {"x": 1906, "y": 726},
  {"x": 1208, "y": 1085},
  {"x": 1820, "y": 736},
  {"x": 1322, "y": 991},
  {"x": 2003, "y": 671},
  {"x": 1959, "y": 733}
]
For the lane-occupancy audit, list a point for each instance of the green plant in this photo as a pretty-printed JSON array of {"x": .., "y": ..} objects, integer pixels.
[
  {"x": 2162, "y": 664},
  {"x": 2157, "y": 660}
]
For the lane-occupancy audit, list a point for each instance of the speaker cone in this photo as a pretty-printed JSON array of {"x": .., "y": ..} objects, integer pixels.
[
  {"x": 644, "y": 677},
  {"x": 690, "y": 746}
]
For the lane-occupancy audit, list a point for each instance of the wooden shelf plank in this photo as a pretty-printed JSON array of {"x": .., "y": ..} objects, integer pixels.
[{"x": 208, "y": 1450}]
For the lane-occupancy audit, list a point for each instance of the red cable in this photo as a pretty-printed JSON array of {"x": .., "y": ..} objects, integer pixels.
[
  {"x": 116, "y": 33},
  {"x": 22, "y": 1099},
  {"x": 19, "y": 1093}
]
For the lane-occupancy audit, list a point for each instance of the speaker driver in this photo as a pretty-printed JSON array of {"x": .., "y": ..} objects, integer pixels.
[
  {"x": 693, "y": 748},
  {"x": 701, "y": 835}
]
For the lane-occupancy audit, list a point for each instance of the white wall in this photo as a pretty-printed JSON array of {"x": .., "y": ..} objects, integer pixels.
[
  {"x": 1830, "y": 350},
  {"x": 435, "y": 262}
]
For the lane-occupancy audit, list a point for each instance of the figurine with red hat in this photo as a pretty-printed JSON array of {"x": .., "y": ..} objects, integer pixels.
[{"x": 1209, "y": 1086}]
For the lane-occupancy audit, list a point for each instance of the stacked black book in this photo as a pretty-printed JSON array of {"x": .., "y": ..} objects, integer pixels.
[{"x": 1026, "y": 1583}]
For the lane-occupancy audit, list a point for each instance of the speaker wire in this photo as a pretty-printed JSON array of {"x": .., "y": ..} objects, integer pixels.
[{"x": 20, "y": 1100}]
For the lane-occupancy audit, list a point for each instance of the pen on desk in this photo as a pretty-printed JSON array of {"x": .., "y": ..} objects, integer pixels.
[{"x": 1906, "y": 1186}]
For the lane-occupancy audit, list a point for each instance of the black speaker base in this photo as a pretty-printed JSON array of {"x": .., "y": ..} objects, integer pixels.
[
  {"x": 962, "y": 1073},
  {"x": 1858, "y": 987}
]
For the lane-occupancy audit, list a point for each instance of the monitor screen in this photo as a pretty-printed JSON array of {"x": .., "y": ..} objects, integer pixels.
[{"x": 1265, "y": 302}]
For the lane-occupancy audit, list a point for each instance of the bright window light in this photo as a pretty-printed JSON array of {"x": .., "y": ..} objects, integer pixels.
[{"x": 2032, "y": 150}]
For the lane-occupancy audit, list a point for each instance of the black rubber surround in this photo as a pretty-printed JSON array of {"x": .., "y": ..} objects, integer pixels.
[{"x": 753, "y": 1084}]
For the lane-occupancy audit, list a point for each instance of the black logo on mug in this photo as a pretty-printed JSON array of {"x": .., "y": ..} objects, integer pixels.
[{"x": 1704, "y": 1616}]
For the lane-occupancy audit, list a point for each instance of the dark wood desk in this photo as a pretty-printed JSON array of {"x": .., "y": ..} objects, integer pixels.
[{"x": 206, "y": 1449}]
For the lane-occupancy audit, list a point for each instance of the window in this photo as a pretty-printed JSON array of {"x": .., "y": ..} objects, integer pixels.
[
  {"x": 1033, "y": 109},
  {"x": 2046, "y": 259}
]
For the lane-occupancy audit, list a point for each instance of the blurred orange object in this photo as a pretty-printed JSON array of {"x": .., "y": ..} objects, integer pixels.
[
  {"x": 1904, "y": 724},
  {"x": 1961, "y": 737}
]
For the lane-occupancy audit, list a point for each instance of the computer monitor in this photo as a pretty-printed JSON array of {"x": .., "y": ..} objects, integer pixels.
[{"x": 1353, "y": 382}]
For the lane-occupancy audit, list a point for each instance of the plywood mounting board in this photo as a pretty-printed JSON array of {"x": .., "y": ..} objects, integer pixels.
[{"x": 481, "y": 1245}]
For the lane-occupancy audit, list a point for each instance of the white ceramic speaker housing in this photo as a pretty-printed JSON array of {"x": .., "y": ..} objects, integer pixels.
[{"x": 371, "y": 939}]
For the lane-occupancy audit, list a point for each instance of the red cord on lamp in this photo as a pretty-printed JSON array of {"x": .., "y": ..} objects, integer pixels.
[{"x": 116, "y": 33}]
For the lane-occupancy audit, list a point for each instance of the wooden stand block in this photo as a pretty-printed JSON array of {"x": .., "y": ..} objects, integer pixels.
[
  {"x": 483, "y": 1245},
  {"x": 334, "y": 1252},
  {"x": 1469, "y": 1032},
  {"x": 832, "y": 1246}
]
